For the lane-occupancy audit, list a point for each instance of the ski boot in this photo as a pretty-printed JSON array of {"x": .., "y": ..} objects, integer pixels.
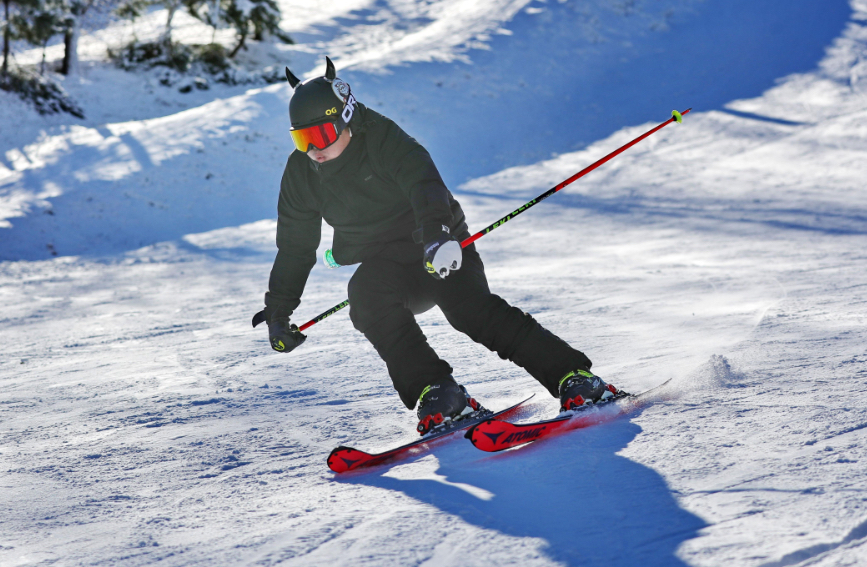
[
  {"x": 582, "y": 387},
  {"x": 442, "y": 401}
]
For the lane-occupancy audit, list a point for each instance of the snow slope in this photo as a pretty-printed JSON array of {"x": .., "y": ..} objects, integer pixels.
[{"x": 142, "y": 421}]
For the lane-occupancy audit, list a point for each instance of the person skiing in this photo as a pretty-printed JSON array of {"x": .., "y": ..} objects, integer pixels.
[{"x": 393, "y": 215}]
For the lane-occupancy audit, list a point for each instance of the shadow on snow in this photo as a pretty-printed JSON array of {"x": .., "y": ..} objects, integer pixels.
[
  {"x": 701, "y": 213},
  {"x": 568, "y": 76},
  {"x": 209, "y": 186},
  {"x": 590, "y": 505},
  {"x": 578, "y": 72}
]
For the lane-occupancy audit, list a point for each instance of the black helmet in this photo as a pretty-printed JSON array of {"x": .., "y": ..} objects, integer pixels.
[{"x": 317, "y": 102}]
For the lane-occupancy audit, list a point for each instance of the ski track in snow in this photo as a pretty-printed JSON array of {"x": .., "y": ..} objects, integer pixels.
[{"x": 142, "y": 421}]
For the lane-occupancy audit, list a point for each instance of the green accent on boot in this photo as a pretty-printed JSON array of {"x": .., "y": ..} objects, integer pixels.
[
  {"x": 423, "y": 392},
  {"x": 585, "y": 373}
]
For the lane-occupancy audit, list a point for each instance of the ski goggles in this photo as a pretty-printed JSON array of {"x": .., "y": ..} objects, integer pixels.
[{"x": 320, "y": 136}]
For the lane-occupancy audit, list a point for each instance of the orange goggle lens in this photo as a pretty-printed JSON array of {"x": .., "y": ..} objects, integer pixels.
[{"x": 320, "y": 136}]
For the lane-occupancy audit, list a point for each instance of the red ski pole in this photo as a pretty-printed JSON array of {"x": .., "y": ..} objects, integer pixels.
[{"x": 675, "y": 117}]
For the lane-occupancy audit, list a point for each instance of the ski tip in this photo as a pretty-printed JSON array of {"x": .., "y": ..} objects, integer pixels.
[
  {"x": 343, "y": 459},
  {"x": 678, "y": 117}
]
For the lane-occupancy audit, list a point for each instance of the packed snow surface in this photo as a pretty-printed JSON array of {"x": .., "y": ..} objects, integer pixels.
[{"x": 142, "y": 420}]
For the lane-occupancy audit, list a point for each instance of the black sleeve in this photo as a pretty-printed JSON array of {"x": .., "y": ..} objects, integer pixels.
[
  {"x": 414, "y": 171},
  {"x": 299, "y": 229}
]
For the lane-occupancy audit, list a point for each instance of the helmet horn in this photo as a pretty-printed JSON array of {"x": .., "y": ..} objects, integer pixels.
[
  {"x": 330, "y": 71},
  {"x": 293, "y": 80}
]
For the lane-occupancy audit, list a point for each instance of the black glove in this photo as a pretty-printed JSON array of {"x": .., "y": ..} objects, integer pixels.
[
  {"x": 442, "y": 253},
  {"x": 284, "y": 336}
]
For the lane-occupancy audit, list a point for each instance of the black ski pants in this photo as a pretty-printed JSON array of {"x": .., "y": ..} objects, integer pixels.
[{"x": 384, "y": 296}]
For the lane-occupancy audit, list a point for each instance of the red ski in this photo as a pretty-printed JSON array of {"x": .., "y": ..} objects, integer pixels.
[
  {"x": 493, "y": 435},
  {"x": 343, "y": 459}
]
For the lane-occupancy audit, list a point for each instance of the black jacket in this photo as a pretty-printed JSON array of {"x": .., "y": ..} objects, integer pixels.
[{"x": 375, "y": 194}]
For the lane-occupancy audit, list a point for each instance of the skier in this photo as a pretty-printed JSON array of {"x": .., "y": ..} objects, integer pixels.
[{"x": 391, "y": 212}]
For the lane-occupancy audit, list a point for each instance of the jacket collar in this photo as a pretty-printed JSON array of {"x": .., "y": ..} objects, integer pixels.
[{"x": 350, "y": 155}]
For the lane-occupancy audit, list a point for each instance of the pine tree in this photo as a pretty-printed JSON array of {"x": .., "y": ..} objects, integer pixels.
[
  {"x": 12, "y": 10},
  {"x": 132, "y": 10},
  {"x": 75, "y": 13},
  {"x": 38, "y": 22},
  {"x": 256, "y": 17},
  {"x": 35, "y": 21}
]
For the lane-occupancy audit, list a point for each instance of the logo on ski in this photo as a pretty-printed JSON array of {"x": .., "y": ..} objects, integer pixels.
[
  {"x": 493, "y": 436},
  {"x": 522, "y": 436}
]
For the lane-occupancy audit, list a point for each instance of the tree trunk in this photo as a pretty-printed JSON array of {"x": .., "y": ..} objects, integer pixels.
[
  {"x": 214, "y": 16},
  {"x": 70, "y": 65},
  {"x": 6, "y": 33},
  {"x": 172, "y": 7},
  {"x": 238, "y": 47},
  {"x": 67, "y": 40}
]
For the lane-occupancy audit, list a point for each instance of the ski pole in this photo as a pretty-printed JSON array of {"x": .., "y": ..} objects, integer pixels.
[
  {"x": 322, "y": 316},
  {"x": 675, "y": 117}
]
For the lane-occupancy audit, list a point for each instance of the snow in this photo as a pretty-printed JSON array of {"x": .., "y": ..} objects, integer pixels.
[{"x": 143, "y": 421}]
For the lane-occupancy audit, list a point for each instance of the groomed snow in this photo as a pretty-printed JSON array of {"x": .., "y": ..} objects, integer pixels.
[{"x": 142, "y": 420}]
